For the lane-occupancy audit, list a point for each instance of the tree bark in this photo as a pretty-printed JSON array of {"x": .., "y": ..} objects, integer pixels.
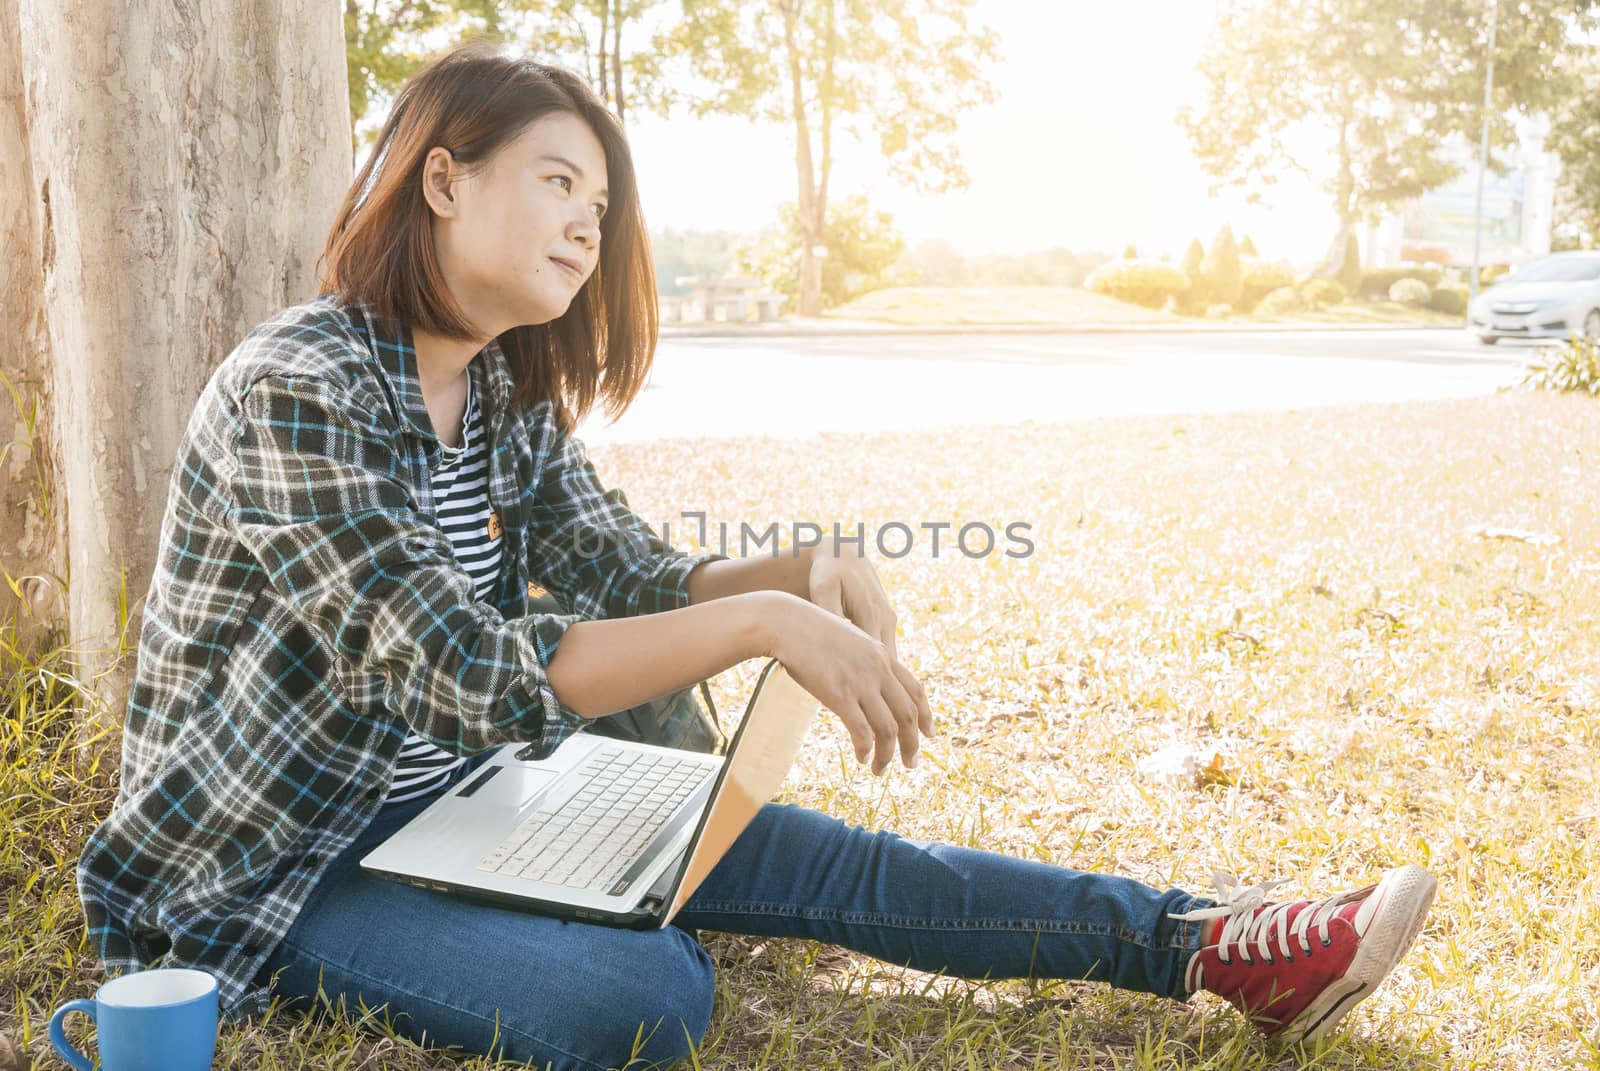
[
  {"x": 33, "y": 549},
  {"x": 1332, "y": 262},
  {"x": 603, "y": 83},
  {"x": 819, "y": 209},
  {"x": 808, "y": 210},
  {"x": 616, "y": 61},
  {"x": 185, "y": 161}
]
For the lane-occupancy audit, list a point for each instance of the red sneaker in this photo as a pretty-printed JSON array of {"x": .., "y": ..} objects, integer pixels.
[{"x": 1295, "y": 969}]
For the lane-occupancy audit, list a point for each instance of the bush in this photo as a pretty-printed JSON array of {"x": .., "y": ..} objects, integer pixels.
[
  {"x": 1258, "y": 278},
  {"x": 1375, "y": 284},
  {"x": 1487, "y": 276},
  {"x": 1224, "y": 277},
  {"x": 1281, "y": 302},
  {"x": 1450, "y": 299},
  {"x": 935, "y": 262},
  {"x": 1143, "y": 282},
  {"x": 1573, "y": 366},
  {"x": 1410, "y": 292},
  {"x": 1320, "y": 292},
  {"x": 1219, "y": 312},
  {"x": 863, "y": 248}
]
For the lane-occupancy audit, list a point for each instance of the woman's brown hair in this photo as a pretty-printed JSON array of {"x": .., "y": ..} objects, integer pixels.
[{"x": 473, "y": 100}]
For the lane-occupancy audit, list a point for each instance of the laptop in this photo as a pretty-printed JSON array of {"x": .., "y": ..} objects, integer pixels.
[{"x": 602, "y": 830}]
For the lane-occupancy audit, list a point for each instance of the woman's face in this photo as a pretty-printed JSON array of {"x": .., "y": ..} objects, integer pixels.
[{"x": 501, "y": 230}]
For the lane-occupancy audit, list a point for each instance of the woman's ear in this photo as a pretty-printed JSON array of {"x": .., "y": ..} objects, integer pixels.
[{"x": 438, "y": 182}]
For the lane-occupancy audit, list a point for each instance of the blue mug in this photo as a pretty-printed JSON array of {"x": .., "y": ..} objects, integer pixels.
[{"x": 160, "y": 1020}]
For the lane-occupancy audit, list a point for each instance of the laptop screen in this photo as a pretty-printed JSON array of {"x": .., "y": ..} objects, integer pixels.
[{"x": 759, "y": 757}]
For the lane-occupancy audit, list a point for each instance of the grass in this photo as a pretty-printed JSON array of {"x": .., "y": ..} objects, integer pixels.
[
  {"x": 1305, "y": 598},
  {"x": 926, "y": 306}
]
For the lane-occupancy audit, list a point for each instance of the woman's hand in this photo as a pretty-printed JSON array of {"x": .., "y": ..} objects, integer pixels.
[
  {"x": 849, "y": 587},
  {"x": 855, "y": 675}
]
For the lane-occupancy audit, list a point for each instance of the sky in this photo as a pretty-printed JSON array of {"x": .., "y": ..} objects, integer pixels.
[{"x": 1107, "y": 163}]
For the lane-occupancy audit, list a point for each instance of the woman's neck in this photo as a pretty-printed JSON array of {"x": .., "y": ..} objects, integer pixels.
[
  {"x": 442, "y": 361},
  {"x": 442, "y": 376}
]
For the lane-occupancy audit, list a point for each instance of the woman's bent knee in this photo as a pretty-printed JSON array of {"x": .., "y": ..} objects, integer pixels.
[
  {"x": 664, "y": 1017},
  {"x": 649, "y": 1015},
  {"x": 619, "y": 999}
]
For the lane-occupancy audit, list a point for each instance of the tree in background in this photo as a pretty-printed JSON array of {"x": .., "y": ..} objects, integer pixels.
[
  {"x": 1388, "y": 82},
  {"x": 1056, "y": 266},
  {"x": 863, "y": 251},
  {"x": 1193, "y": 261},
  {"x": 382, "y": 50},
  {"x": 936, "y": 262},
  {"x": 905, "y": 68},
  {"x": 1130, "y": 252},
  {"x": 597, "y": 38},
  {"x": 157, "y": 205},
  {"x": 692, "y": 253},
  {"x": 1223, "y": 275},
  {"x": 1574, "y": 137},
  {"x": 388, "y": 40},
  {"x": 1349, "y": 274},
  {"x": 1247, "y": 248}
]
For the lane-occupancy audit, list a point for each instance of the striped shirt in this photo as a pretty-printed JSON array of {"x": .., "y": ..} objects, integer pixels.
[
  {"x": 461, "y": 502},
  {"x": 307, "y": 612}
]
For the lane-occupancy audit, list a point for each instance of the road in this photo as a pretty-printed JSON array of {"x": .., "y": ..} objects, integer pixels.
[{"x": 798, "y": 386}]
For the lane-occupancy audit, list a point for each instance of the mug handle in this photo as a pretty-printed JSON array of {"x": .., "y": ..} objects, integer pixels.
[{"x": 58, "y": 1036}]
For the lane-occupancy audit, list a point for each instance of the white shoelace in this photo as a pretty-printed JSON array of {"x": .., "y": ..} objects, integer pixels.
[{"x": 1244, "y": 927}]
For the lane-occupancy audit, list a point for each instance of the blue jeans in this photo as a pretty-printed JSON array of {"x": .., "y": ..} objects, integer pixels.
[{"x": 575, "y": 995}]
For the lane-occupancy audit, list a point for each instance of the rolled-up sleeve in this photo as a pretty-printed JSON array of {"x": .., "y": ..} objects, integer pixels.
[
  {"x": 584, "y": 542},
  {"x": 321, "y": 502}
]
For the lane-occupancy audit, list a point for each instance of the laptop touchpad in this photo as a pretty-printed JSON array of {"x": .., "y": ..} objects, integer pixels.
[{"x": 508, "y": 786}]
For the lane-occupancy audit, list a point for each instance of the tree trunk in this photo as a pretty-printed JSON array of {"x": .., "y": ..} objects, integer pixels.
[
  {"x": 808, "y": 210},
  {"x": 1332, "y": 262},
  {"x": 603, "y": 83},
  {"x": 33, "y": 549},
  {"x": 1344, "y": 195},
  {"x": 819, "y": 209},
  {"x": 184, "y": 162},
  {"x": 616, "y": 62}
]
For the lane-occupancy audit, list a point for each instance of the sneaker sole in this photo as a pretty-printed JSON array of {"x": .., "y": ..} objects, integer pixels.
[{"x": 1405, "y": 894}]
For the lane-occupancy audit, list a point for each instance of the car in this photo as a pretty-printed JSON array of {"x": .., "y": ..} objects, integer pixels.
[{"x": 1556, "y": 296}]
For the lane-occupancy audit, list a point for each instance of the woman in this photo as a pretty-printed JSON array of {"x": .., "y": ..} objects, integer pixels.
[{"x": 369, "y": 490}]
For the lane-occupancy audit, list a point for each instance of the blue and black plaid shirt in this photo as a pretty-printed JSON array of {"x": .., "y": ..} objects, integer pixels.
[{"x": 307, "y": 609}]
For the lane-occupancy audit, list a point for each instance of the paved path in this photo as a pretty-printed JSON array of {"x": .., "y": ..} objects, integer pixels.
[{"x": 798, "y": 386}]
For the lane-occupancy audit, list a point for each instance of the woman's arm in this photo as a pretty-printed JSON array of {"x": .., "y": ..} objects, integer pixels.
[
  {"x": 784, "y": 572},
  {"x": 880, "y": 703},
  {"x": 588, "y": 546},
  {"x": 663, "y": 651}
]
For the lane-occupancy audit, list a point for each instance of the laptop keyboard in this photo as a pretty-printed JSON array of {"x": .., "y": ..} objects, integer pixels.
[{"x": 591, "y": 838}]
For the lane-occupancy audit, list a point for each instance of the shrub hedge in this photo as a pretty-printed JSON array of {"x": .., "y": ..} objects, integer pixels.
[
  {"x": 1280, "y": 302},
  {"x": 1318, "y": 292},
  {"x": 1262, "y": 277},
  {"x": 1410, "y": 292},
  {"x": 1450, "y": 299},
  {"x": 1143, "y": 282},
  {"x": 1375, "y": 283}
]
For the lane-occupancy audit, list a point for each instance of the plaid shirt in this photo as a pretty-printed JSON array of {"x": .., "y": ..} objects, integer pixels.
[{"x": 307, "y": 609}]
